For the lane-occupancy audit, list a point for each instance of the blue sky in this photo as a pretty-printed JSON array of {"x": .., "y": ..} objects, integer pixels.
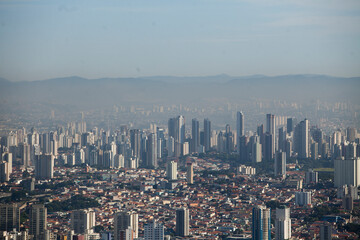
[{"x": 132, "y": 38}]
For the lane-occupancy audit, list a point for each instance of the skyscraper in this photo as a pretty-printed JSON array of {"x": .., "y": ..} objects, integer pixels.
[
  {"x": 190, "y": 173},
  {"x": 271, "y": 129},
  {"x": 301, "y": 138},
  {"x": 151, "y": 151},
  {"x": 154, "y": 231},
  {"x": 347, "y": 172},
  {"x": 229, "y": 139},
  {"x": 239, "y": 129},
  {"x": 82, "y": 221},
  {"x": 176, "y": 128},
  {"x": 195, "y": 135},
  {"x": 268, "y": 148},
  {"x": 123, "y": 221},
  {"x": 4, "y": 171},
  {"x": 135, "y": 140},
  {"x": 44, "y": 166},
  {"x": 282, "y": 139},
  {"x": 289, "y": 125},
  {"x": 282, "y": 224},
  {"x": 240, "y": 124},
  {"x": 207, "y": 134},
  {"x": 182, "y": 222},
  {"x": 25, "y": 154},
  {"x": 280, "y": 164},
  {"x": 171, "y": 170},
  {"x": 261, "y": 228},
  {"x": 38, "y": 221},
  {"x": 9, "y": 217},
  {"x": 8, "y": 157},
  {"x": 256, "y": 152}
]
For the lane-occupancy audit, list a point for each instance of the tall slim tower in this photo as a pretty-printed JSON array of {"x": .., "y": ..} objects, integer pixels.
[
  {"x": 151, "y": 151},
  {"x": 271, "y": 129},
  {"x": 240, "y": 124},
  {"x": 280, "y": 164},
  {"x": 123, "y": 221},
  {"x": 289, "y": 125},
  {"x": 190, "y": 173},
  {"x": 176, "y": 128},
  {"x": 25, "y": 154},
  {"x": 282, "y": 224},
  {"x": 135, "y": 141},
  {"x": 172, "y": 170},
  {"x": 207, "y": 134},
  {"x": 38, "y": 221},
  {"x": 195, "y": 134},
  {"x": 182, "y": 222},
  {"x": 301, "y": 139},
  {"x": 261, "y": 228},
  {"x": 268, "y": 147}
]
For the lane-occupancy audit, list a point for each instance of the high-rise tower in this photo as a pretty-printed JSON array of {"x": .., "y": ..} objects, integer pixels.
[
  {"x": 44, "y": 166},
  {"x": 195, "y": 135},
  {"x": 9, "y": 217},
  {"x": 282, "y": 223},
  {"x": 207, "y": 134},
  {"x": 261, "y": 228},
  {"x": 125, "y": 222},
  {"x": 38, "y": 221},
  {"x": 182, "y": 222}
]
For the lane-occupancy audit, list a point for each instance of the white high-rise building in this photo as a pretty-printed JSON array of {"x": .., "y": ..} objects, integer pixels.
[
  {"x": 119, "y": 161},
  {"x": 282, "y": 224},
  {"x": 256, "y": 156},
  {"x": 8, "y": 157},
  {"x": 82, "y": 221},
  {"x": 154, "y": 231},
  {"x": 172, "y": 170},
  {"x": 347, "y": 172},
  {"x": 5, "y": 167}
]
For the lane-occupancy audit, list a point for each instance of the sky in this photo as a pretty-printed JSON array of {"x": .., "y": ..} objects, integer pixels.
[{"x": 133, "y": 38}]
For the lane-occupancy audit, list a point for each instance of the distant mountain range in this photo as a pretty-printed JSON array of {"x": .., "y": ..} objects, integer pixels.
[{"x": 79, "y": 91}]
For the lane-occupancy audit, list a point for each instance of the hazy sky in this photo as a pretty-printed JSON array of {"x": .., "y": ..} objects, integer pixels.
[{"x": 46, "y": 39}]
